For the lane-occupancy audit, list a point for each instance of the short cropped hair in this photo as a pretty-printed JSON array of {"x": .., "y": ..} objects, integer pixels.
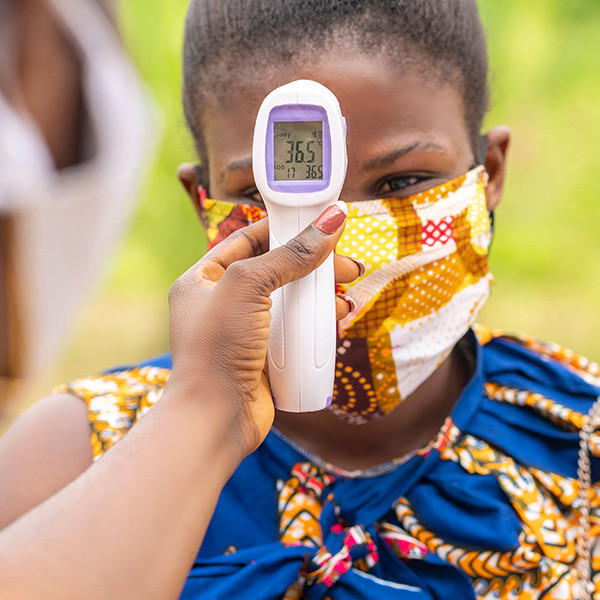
[{"x": 226, "y": 41}]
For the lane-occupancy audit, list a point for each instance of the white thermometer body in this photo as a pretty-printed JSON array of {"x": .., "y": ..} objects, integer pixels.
[{"x": 299, "y": 162}]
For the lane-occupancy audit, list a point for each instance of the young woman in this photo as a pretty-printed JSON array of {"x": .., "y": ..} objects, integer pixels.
[{"x": 447, "y": 465}]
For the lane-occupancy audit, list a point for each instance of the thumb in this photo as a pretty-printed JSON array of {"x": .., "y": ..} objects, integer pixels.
[{"x": 302, "y": 254}]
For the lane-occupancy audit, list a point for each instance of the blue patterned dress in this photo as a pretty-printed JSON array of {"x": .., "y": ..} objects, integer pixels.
[{"x": 488, "y": 509}]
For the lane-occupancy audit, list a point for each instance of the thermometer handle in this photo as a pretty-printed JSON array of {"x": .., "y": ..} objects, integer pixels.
[
  {"x": 302, "y": 344},
  {"x": 299, "y": 162}
]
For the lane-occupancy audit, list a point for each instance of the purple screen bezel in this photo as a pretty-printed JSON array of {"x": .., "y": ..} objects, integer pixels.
[{"x": 302, "y": 113}]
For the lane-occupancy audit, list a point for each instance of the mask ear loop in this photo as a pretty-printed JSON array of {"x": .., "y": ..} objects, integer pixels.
[{"x": 200, "y": 182}]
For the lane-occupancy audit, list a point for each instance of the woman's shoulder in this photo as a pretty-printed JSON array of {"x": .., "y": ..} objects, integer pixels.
[
  {"x": 522, "y": 360},
  {"x": 43, "y": 450},
  {"x": 535, "y": 402}
]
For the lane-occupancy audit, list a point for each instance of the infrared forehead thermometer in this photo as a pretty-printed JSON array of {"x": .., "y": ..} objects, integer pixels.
[{"x": 299, "y": 162}]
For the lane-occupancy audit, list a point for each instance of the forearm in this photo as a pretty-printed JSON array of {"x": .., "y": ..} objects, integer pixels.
[{"x": 131, "y": 525}]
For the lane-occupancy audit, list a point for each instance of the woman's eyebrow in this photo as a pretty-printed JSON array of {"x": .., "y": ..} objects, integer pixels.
[
  {"x": 391, "y": 157},
  {"x": 240, "y": 165},
  {"x": 381, "y": 161}
]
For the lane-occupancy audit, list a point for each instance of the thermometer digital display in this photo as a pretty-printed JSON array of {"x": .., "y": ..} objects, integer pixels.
[
  {"x": 299, "y": 162},
  {"x": 298, "y": 148}
]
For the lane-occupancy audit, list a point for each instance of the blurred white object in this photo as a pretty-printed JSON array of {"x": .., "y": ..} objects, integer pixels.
[{"x": 64, "y": 223}]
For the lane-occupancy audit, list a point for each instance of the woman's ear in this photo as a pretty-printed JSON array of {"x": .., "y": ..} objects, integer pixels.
[
  {"x": 498, "y": 140},
  {"x": 188, "y": 176}
]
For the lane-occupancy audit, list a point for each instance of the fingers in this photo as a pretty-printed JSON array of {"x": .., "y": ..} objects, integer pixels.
[
  {"x": 298, "y": 257},
  {"x": 253, "y": 241},
  {"x": 244, "y": 243},
  {"x": 344, "y": 305},
  {"x": 347, "y": 269}
]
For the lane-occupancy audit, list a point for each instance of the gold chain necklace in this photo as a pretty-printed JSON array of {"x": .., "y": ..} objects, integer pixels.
[
  {"x": 583, "y": 543},
  {"x": 590, "y": 372}
]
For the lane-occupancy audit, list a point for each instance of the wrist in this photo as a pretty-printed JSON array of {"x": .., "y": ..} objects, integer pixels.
[{"x": 208, "y": 410}]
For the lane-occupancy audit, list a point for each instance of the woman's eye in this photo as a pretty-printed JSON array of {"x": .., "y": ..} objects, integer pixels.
[{"x": 397, "y": 183}]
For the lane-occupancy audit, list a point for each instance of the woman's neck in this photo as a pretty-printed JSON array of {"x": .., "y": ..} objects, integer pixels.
[{"x": 410, "y": 426}]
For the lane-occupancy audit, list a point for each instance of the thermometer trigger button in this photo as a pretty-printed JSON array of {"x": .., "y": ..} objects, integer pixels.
[{"x": 345, "y": 126}]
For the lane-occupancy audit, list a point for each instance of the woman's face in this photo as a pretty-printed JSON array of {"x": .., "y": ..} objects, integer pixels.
[{"x": 406, "y": 132}]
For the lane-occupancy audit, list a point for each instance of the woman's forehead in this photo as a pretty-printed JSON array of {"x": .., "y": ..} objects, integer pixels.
[{"x": 381, "y": 104}]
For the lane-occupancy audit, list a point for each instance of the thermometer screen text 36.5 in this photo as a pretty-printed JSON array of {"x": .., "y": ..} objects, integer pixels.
[{"x": 298, "y": 147}]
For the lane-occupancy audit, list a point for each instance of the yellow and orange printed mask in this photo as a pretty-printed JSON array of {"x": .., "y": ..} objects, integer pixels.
[{"x": 426, "y": 280}]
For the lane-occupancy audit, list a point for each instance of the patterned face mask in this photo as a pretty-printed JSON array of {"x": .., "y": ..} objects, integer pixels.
[{"x": 426, "y": 280}]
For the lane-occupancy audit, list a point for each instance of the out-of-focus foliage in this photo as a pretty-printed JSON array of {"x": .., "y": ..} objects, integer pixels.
[{"x": 545, "y": 57}]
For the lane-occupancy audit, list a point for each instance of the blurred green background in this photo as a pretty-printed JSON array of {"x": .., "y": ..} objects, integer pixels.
[{"x": 545, "y": 57}]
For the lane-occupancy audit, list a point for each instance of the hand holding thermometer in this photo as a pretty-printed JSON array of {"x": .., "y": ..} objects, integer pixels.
[{"x": 299, "y": 162}]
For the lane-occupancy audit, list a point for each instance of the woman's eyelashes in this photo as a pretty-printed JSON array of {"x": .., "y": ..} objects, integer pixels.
[{"x": 399, "y": 183}]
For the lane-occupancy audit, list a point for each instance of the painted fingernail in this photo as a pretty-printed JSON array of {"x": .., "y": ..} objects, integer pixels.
[
  {"x": 350, "y": 301},
  {"x": 331, "y": 219},
  {"x": 362, "y": 269}
]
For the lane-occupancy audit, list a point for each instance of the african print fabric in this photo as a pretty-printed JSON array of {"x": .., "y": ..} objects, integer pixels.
[
  {"x": 222, "y": 218},
  {"x": 426, "y": 279},
  {"x": 487, "y": 510}
]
